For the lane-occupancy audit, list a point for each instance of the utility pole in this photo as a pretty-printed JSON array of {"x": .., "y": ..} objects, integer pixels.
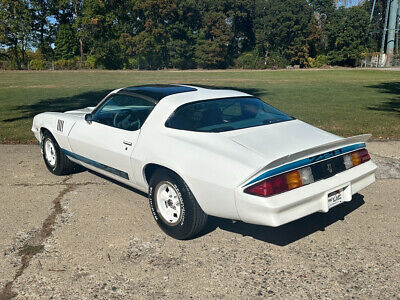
[
  {"x": 394, "y": 5},
  {"x": 380, "y": 62},
  {"x": 372, "y": 11},
  {"x": 396, "y": 49}
]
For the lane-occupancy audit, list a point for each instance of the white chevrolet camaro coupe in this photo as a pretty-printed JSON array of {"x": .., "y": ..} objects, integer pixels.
[{"x": 199, "y": 152}]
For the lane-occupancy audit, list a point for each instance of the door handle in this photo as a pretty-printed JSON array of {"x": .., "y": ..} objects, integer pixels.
[{"x": 127, "y": 143}]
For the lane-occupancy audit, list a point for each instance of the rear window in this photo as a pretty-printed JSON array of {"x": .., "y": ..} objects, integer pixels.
[{"x": 224, "y": 115}]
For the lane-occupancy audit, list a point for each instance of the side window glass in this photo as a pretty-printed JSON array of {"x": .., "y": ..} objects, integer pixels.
[{"x": 124, "y": 112}]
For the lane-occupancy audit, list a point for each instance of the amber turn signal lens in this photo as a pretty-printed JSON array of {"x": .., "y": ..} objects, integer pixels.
[
  {"x": 293, "y": 180},
  {"x": 355, "y": 158}
]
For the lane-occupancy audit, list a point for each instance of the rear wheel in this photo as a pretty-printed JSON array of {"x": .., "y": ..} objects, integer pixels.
[
  {"x": 56, "y": 161},
  {"x": 174, "y": 207}
]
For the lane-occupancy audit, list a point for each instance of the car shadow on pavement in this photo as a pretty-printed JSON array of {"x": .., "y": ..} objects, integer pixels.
[
  {"x": 118, "y": 183},
  {"x": 293, "y": 231},
  {"x": 280, "y": 236}
]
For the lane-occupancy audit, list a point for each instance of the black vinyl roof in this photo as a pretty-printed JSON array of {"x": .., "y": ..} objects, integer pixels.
[{"x": 158, "y": 91}]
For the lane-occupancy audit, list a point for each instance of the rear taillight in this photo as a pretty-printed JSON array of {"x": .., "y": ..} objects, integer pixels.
[
  {"x": 281, "y": 183},
  {"x": 356, "y": 158},
  {"x": 294, "y": 179}
]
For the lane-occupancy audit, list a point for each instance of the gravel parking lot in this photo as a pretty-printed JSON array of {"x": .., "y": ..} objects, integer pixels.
[{"x": 83, "y": 236}]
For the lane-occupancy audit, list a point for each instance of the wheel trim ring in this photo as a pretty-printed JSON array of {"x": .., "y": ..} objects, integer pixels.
[
  {"x": 169, "y": 211},
  {"x": 50, "y": 152}
]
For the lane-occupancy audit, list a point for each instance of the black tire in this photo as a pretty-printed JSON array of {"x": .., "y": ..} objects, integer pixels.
[
  {"x": 62, "y": 165},
  {"x": 193, "y": 219}
]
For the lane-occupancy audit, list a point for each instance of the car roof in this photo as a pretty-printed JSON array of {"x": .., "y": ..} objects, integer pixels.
[
  {"x": 157, "y": 91},
  {"x": 178, "y": 94}
]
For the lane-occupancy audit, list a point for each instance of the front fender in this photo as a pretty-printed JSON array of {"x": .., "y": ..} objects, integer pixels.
[{"x": 59, "y": 125}]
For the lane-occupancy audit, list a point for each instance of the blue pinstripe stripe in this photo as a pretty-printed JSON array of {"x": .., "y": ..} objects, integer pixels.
[
  {"x": 96, "y": 164},
  {"x": 302, "y": 163}
]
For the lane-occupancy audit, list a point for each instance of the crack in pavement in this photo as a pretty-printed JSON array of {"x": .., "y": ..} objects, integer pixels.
[{"x": 35, "y": 244}]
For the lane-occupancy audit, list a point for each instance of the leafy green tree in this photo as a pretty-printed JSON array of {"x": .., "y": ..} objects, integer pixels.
[
  {"x": 66, "y": 43},
  {"x": 180, "y": 47},
  {"x": 163, "y": 33},
  {"x": 154, "y": 34},
  {"x": 67, "y": 12},
  {"x": 377, "y": 22},
  {"x": 282, "y": 26},
  {"x": 317, "y": 39},
  {"x": 213, "y": 41},
  {"x": 323, "y": 7},
  {"x": 42, "y": 28},
  {"x": 95, "y": 25},
  {"x": 15, "y": 30},
  {"x": 147, "y": 50},
  {"x": 348, "y": 35}
]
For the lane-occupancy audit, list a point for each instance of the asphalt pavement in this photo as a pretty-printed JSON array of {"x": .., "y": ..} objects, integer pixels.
[{"x": 83, "y": 237}]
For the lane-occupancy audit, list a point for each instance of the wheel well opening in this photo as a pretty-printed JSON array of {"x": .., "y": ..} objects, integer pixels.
[
  {"x": 150, "y": 169},
  {"x": 44, "y": 130}
]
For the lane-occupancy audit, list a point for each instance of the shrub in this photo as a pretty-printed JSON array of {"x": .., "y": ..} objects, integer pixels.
[
  {"x": 66, "y": 64},
  {"x": 249, "y": 60},
  {"x": 90, "y": 62},
  {"x": 37, "y": 64},
  {"x": 276, "y": 61},
  {"x": 318, "y": 62}
]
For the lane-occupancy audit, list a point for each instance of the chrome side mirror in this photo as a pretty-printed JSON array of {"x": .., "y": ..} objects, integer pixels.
[{"x": 89, "y": 118}]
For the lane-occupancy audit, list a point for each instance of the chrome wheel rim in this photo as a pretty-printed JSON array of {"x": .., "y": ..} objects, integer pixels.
[
  {"x": 168, "y": 203},
  {"x": 50, "y": 152}
]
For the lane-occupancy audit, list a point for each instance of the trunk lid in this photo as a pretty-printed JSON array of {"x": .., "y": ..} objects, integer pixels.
[
  {"x": 282, "y": 139},
  {"x": 288, "y": 142}
]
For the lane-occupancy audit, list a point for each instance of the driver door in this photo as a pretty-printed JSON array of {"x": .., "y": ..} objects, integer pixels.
[{"x": 106, "y": 143}]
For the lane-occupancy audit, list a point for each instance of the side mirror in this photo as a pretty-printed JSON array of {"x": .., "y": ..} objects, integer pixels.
[{"x": 89, "y": 118}]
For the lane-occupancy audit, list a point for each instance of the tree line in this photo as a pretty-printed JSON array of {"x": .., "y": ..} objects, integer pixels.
[{"x": 184, "y": 34}]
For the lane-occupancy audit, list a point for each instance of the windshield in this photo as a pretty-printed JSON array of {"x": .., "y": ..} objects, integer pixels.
[{"x": 224, "y": 115}]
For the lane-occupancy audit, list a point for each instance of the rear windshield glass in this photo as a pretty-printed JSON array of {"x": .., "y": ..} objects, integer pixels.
[{"x": 224, "y": 115}]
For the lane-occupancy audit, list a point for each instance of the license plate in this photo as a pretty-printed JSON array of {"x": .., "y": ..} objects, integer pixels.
[{"x": 335, "y": 197}]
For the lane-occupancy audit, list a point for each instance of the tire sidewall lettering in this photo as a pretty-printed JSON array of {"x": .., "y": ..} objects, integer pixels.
[
  {"x": 181, "y": 203},
  {"x": 151, "y": 201},
  {"x": 154, "y": 210}
]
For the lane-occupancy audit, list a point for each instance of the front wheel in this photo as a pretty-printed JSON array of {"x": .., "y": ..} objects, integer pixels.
[
  {"x": 56, "y": 161},
  {"x": 174, "y": 207}
]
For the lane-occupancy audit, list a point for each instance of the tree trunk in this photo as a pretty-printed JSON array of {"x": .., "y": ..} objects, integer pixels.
[{"x": 80, "y": 38}]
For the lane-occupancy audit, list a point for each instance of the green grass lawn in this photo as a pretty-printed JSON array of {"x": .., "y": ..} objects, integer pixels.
[{"x": 345, "y": 102}]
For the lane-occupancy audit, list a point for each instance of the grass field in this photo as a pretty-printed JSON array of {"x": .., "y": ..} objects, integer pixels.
[{"x": 345, "y": 102}]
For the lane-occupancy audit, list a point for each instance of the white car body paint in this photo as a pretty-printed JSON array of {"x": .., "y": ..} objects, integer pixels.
[{"x": 215, "y": 166}]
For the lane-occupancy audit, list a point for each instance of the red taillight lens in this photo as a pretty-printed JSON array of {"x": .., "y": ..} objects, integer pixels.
[
  {"x": 268, "y": 187},
  {"x": 281, "y": 183},
  {"x": 364, "y": 155},
  {"x": 356, "y": 158}
]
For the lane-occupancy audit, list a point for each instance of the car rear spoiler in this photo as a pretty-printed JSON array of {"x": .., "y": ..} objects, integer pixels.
[{"x": 342, "y": 143}]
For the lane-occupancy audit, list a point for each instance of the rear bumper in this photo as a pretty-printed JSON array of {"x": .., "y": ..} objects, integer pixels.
[{"x": 289, "y": 206}]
